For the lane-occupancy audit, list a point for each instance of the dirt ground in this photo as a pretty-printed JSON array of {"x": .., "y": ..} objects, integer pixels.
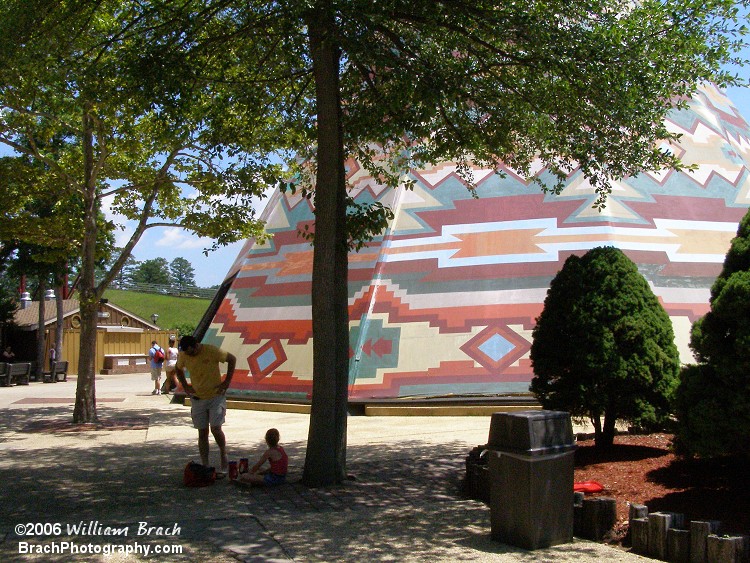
[{"x": 642, "y": 469}]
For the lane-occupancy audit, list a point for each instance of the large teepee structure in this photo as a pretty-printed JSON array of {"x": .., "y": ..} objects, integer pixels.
[{"x": 443, "y": 304}]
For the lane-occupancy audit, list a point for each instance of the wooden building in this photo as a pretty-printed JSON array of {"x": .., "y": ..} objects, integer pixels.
[{"x": 122, "y": 341}]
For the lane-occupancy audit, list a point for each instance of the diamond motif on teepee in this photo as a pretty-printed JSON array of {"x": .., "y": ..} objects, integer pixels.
[
  {"x": 496, "y": 347},
  {"x": 266, "y": 359}
]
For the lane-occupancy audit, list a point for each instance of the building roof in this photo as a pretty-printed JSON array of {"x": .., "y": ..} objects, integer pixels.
[{"x": 28, "y": 318}]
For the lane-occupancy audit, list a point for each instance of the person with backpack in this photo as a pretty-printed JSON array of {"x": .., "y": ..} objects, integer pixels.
[{"x": 156, "y": 357}]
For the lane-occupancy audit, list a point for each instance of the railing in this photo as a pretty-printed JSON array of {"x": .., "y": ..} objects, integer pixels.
[{"x": 166, "y": 289}]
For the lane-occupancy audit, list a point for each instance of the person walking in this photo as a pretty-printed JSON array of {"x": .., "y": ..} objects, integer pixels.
[
  {"x": 169, "y": 368},
  {"x": 156, "y": 357},
  {"x": 206, "y": 391}
]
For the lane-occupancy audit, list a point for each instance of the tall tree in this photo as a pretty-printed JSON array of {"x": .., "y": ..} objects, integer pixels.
[
  {"x": 154, "y": 271},
  {"x": 584, "y": 85},
  {"x": 80, "y": 72},
  {"x": 181, "y": 273},
  {"x": 31, "y": 233}
]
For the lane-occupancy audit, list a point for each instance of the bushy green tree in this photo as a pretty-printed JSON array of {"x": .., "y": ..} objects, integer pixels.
[
  {"x": 182, "y": 273},
  {"x": 604, "y": 346},
  {"x": 124, "y": 277},
  {"x": 154, "y": 271},
  {"x": 713, "y": 398}
]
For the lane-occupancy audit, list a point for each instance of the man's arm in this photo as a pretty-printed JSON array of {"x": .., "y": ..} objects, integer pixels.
[{"x": 231, "y": 362}]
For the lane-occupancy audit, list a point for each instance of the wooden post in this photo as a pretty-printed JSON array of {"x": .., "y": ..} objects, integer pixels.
[
  {"x": 598, "y": 517},
  {"x": 637, "y": 511},
  {"x": 658, "y": 524},
  {"x": 699, "y": 532},
  {"x": 639, "y": 535},
  {"x": 726, "y": 550},
  {"x": 678, "y": 545}
]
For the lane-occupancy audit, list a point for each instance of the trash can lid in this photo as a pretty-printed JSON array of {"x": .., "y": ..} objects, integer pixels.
[{"x": 535, "y": 431}]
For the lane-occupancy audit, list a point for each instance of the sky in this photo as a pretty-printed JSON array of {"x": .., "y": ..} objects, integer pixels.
[{"x": 210, "y": 270}]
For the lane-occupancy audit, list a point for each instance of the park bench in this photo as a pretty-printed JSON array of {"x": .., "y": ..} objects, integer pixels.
[
  {"x": 58, "y": 372},
  {"x": 4, "y": 377},
  {"x": 34, "y": 373},
  {"x": 19, "y": 373}
]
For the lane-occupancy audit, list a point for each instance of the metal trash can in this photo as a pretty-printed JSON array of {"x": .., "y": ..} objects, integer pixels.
[{"x": 531, "y": 478}]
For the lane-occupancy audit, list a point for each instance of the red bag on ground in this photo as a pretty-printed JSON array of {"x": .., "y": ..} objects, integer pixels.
[
  {"x": 587, "y": 487},
  {"x": 197, "y": 475}
]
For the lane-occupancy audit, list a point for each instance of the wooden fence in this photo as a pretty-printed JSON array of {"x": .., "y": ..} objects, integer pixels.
[{"x": 107, "y": 343}]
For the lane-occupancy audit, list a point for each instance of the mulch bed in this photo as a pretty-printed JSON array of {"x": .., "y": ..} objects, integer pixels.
[{"x": 642, "y": 469}]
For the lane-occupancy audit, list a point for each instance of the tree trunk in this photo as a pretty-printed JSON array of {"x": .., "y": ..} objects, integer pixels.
[
  {"x": 85, "y": 405},
  {"x": 40, "y": 355},
  {"x": 608, "y": 431},
  {"x": 60, "y": 313},
  {"x": 596, "y": 421},
  {"x": 325, "y": 461}
]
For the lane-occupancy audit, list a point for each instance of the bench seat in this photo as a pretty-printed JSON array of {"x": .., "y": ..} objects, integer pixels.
[
  {"x": 58, "y": 372},
  {"x": 19, "y": 373}
]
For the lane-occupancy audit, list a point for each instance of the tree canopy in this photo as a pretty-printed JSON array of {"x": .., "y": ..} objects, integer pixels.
[
  {"x": 154, "y": 271},
  {"x": 603, "y": 346},
  {"x": 181, "y": 273}
]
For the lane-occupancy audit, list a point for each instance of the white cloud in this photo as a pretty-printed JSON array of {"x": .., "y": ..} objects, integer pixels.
[{"x": 176, "y": 238}]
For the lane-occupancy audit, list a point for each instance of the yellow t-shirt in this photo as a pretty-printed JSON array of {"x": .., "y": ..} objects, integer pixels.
[{"x": 203, "y": 369}]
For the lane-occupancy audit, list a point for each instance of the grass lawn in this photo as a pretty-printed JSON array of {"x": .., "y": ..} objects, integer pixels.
[{"x": 172, "y": 310}]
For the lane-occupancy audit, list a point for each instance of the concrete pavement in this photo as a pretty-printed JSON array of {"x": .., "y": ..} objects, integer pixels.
[{"x": 71, "y": 494}]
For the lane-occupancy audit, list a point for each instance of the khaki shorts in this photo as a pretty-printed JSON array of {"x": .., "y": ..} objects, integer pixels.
[
  {"x": 208, "y": 412},
  {"x": 155, "y": 374}
]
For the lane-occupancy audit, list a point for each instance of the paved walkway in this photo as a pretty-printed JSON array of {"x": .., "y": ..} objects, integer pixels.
[{"x": 78, "y": 491}]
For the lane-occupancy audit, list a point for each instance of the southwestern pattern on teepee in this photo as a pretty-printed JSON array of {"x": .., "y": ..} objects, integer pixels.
[{"x": 445, "y": 301}]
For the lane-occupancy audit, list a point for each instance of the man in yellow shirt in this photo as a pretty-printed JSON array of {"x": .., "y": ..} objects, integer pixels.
[{"x": 206, "y": 390}]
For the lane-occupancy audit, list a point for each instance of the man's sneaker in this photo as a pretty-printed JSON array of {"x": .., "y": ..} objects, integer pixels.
[{"x": 155, "y": 391}]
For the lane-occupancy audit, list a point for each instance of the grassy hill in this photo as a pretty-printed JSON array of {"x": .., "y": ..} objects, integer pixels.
[{"x": 172, "y": 311}]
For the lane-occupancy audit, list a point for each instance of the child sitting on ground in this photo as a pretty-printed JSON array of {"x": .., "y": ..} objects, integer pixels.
[{"x": 277, "y": 459}]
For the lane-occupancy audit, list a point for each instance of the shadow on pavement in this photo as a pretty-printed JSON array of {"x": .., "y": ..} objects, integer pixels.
[{"x": 404, "y": 502}]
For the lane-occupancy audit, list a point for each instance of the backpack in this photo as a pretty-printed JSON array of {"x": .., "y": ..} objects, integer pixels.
[
  {"x": 158, "y": 355},
  {"x": 197, "y": 475}
]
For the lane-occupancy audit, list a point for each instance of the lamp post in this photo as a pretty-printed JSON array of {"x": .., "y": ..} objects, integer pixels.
[{"x": 154, "y": 317}]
